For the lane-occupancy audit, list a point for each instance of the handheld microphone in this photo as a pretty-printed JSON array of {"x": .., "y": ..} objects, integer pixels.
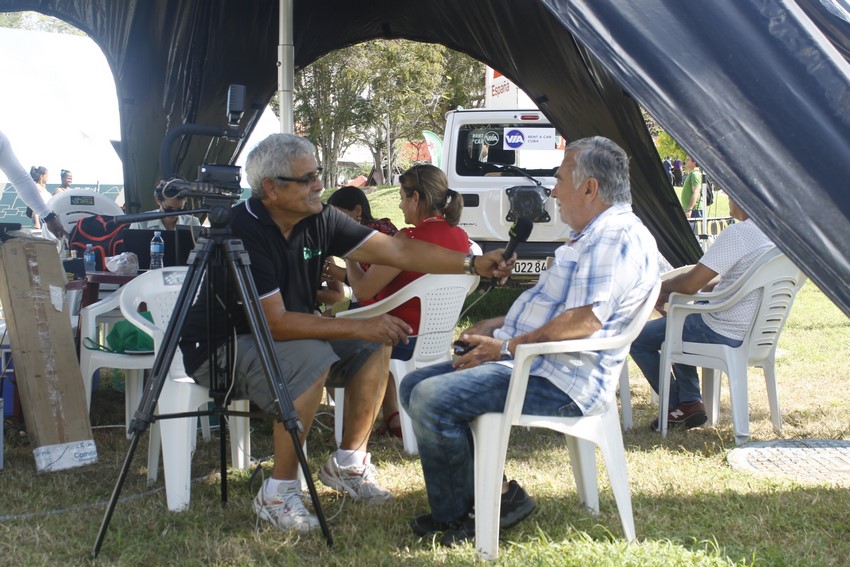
[{"x": 519, "y": 232}]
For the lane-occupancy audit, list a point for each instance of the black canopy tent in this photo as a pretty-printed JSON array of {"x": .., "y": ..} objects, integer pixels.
[{"x": 753, "y": 89}]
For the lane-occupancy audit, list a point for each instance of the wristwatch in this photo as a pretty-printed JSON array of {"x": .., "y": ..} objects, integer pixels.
[{"x": 505, "y": 351}]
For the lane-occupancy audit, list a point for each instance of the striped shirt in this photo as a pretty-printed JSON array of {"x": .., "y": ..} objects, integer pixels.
[{"x": 611, "y": 265}]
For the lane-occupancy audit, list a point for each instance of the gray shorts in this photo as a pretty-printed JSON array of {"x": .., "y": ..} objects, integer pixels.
[{"x": 302, "y": 362}]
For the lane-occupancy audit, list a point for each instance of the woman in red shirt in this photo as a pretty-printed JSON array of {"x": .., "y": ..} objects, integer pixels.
[{"x": 434, "y": 211}]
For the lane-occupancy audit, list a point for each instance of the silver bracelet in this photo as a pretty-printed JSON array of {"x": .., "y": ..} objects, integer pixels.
[{"x": 469, "y": 265}]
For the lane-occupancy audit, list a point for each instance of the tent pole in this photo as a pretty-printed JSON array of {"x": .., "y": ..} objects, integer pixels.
[{"x": 286, "y": 66}]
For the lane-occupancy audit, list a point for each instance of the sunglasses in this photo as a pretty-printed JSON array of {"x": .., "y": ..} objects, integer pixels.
[
  {"x": 308, "y": 179},
  {"x": 173, "y": 189},
  {"x": 172, "y": 209}
]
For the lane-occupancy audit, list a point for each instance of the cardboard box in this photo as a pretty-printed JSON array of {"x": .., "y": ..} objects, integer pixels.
[{"x": 32, "y": 291}]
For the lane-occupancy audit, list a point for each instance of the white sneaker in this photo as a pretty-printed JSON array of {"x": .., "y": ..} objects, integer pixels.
[
  {"x": 356, "y": 480},
  {"x": 285, "y": 511}
]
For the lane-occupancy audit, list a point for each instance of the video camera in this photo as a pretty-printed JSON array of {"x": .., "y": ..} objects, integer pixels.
[{"x": 214, "y": 181}]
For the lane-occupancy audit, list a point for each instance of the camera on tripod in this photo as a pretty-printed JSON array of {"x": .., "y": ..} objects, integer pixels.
[{"x": 214, "y": 181}]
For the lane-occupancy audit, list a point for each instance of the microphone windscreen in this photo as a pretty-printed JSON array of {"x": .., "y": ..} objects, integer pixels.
[{"x": 521, "y": 229}]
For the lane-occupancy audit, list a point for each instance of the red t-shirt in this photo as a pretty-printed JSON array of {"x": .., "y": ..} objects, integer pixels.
[{"x": 437, "y": 231}]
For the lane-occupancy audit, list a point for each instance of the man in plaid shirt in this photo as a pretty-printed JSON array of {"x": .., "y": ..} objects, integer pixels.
[{"x": 594, "y": 288}]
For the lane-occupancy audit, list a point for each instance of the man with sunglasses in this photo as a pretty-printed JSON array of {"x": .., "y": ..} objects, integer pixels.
[
  {"x": 167, "y": 194},
  {"x": 289, "y": 233}
]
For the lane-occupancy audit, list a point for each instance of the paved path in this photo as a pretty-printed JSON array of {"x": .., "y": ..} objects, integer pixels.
[{"x": 803, "y": 460}]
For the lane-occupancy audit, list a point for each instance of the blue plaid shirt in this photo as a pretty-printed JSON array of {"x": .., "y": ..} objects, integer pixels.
[{"x": 612, "y": 265}]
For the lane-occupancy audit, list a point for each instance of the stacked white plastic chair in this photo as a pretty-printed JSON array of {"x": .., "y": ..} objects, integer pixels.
[{"x": 491, "y": 432}]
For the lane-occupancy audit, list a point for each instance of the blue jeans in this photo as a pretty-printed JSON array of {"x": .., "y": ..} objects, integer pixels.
[
  {"x": 646, "y": 352},
  {"x": 442, "y": 402}
]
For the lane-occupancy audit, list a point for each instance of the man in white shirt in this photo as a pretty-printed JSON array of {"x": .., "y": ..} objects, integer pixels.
[{"x": 731, "y": 254}]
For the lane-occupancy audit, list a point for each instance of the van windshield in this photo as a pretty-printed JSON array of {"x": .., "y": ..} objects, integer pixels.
[{"x": 484, "y": 149}]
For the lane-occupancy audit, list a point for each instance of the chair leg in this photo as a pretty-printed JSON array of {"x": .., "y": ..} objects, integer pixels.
[
  {"x": 154, "y": 448},
  {"x": 711, "y": 393},
  {"x": 133, "y": 391},
  {"x": 583, "y": 464},
  {"x": 769, "y": 368},
  {"x": 489, "y": 465},
  {"x": 738, "y": 397},
  {"x": 240, "y": 436},
  {"x": 407, "y": 434},
  {"x": 664, "y": 389},
  {"x": 614, "y": 454},
  {"x": 339, "y": 414},
  {"x": 177, "y": 460},
  {"x": 87, "y": 371},
  {"x": 206, "y": 430},
  {"x": 626, "y": 397}
]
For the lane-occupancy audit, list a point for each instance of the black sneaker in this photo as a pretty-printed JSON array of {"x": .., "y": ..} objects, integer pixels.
[
  {"x": 517, "y": 505},
  {"x": 426, "y": 526},
  {"x": 464, "y": 531},
  {"x": 687, "y": 415}
]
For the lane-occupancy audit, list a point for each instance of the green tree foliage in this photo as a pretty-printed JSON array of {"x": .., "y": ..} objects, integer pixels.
[
  {"x": 382, "y": 94},
  {"x": 329, "y": 102},
  {"x": 667, "y": 146},
  {"x": 34, "y": 21}
]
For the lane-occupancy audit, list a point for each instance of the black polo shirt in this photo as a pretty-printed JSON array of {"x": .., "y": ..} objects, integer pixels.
[{"x": 291, "y": 267}]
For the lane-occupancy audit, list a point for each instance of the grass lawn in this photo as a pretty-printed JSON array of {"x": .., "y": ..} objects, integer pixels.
[{"x": 690, "y": 506}]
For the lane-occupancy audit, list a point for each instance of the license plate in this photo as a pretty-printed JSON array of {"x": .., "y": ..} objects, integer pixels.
[{"x": 529, "y": 267}]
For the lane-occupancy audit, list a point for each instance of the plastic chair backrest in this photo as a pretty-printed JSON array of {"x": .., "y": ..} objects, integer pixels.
[
  {"x": 779, "y": 280},
  {"x": 74, "y": 204},
  {"x": 159, "y": 290},
  {"x": 441, "y": 297}
]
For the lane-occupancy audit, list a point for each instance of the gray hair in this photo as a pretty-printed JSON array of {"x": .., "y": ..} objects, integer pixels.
[
  {"x": 605, "y": 161},
  {"x": 274, "y": 156}
]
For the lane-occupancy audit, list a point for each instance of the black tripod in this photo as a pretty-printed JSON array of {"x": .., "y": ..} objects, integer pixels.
[{"x": 216, "y": 249}]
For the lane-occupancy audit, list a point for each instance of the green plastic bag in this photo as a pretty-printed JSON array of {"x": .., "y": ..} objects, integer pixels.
[{"x": 124, "y": 337}]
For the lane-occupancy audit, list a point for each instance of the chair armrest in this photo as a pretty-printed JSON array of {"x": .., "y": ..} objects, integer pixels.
[
  {"x": 572, "y": 345},
  {"x": 90, "y": 313},
  {"x": 132, "y": 315},
  {"x": 416, "y": 288},
  {"x": 383, "y": 306}
]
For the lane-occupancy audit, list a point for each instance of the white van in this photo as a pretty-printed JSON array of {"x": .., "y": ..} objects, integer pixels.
[{"x": 503, "y": 163}]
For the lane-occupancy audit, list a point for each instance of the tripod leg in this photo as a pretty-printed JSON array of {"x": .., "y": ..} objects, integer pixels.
[
  {"x": 144, "y": 416},
  {"x": 239, "y": 262}
]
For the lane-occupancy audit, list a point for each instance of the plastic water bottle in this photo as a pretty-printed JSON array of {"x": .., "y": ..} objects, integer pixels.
[
  {"x": 89, "y": 259},
  {"x": 157, "y": 250}
]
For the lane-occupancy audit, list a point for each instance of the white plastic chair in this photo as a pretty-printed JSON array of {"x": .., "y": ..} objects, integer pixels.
[
  {"x": 779, "y": 281},
  {"x": 441, "y": 298},
  {"x": 134, "y": 365},
  {"x": 159, "y": 290},
  {"x": 625, "y": 391},
  {"x": 492, "y": 431},
  {"x": 74, "y": 204}
]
